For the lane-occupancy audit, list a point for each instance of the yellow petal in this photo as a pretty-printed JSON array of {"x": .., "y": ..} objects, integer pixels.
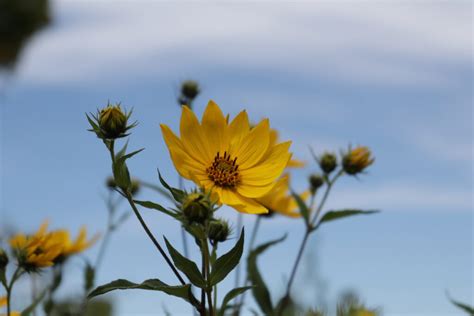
[
  {"x": 252, "y": 191},
  {"x": 240, "y": 203},
  {"x": 269, "y": 169},
  {"x": 215, "y": 129},
  {"x": 238, "y": 129},
  {"x": 192, "y": 137},
  {"x": 254, "y": 145}
]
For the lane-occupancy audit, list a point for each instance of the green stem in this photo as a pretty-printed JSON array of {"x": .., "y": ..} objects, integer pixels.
[
  {"x": 237, "y": 269},
  {"x": 207, "y": 272},
  {"x": 152, "y": 238},
  {"x": 18, "y": 272}
]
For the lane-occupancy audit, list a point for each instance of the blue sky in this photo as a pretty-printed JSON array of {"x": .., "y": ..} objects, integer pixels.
[{"x": 391, "y": 75}]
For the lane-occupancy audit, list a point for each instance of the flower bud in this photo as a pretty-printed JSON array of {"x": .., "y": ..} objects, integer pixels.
[
  {"x": 190, "y": 89},
  {"x": 315, "y": 182},
  {"x": 328, "y": 162},
  {"x": 356, "y": 160},
  {"x": 218, "y": 231},
  {"x": 3, "y": 259},
  {"x": 112, "y": 185},
  {"x": 112, "y": 121},
  {"x": 196, "y": 208}
]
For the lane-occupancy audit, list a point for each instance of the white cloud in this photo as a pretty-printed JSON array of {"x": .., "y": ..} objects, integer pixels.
[{"x": 395, "y": 43}]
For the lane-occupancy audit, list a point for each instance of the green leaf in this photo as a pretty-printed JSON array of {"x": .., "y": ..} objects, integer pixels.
[
  {"x": 27, "y": 311},
  {"x": 188, "y": 267},
  {"x": 155, "y": 206},
  {"x": 260, "y": 290},
  {"x": 178, "y": 195},
  {"x": 230, "y": 296},
  {"x": 225, "y": 264},
  {"x": 182, "y": 291},
  {"x": 335, "y": 215},
  {"x": 304, "y": 209},
  {"x": 468, "y": 309}
]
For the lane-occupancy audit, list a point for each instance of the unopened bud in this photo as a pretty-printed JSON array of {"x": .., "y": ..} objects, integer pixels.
[
  {"x": 190, "y": 89},
  {"x": 196, "y": 208},
  {"x": 356, "y": 160},
  {"x": 315, "y": 182},
  {"x": 3, "y": 259},
  {"x": 328, "y": 162},
  {"x": 218, "y": 231},
  {"x": 112, "y": 121}
]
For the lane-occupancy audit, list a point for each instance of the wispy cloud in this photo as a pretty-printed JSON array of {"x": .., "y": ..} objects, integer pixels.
[{"x": 384, "y": 43}]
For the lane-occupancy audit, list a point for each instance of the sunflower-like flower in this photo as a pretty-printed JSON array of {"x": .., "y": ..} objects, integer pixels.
[
  {"x": 3, "y": 302},
  {"x": 36, "y": 251},
  {"x": 233, "y": 161},
  {"x": 356, "y": 160},
  {"x": 71, "y": 247},
  {"x": 280, "y": 200}
]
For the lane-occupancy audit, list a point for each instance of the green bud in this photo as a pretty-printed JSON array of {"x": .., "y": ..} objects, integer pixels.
[
  {"x": 315, "y": 182},
  {"x": 190, "y": 89},
  {"x": 3, "y": 259},
  {"x": 112, "y": 121},
  {"x": 218, "y": 231},
  {"x": 135, "y": 185},
  {"x": 328, "y": 162},
  {"x": 196, "y": 208}
]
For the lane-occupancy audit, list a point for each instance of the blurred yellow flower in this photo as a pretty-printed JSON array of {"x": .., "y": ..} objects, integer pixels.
[
  {"x": 357, "y": 159},
  {"x": 364, "y": 312},
  {"x": 3, "y": 302},
  {"x": 70, "y": 247},
  {"x": 280, "y": 200},
  {"x": 38, "y": 250},
  {"x": 233, "y": 161},
  {"x": 293, "y": 163}
]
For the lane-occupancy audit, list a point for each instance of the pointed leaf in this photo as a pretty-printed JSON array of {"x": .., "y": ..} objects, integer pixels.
[
  {"x": 260, "y": 290},
  {"x": 227, "y": 262},
  {"x": 230, "y": 296},
  {"x": 155, "y": 206},
  {"x": 468, "y": 309},
  {"x": 178, "y": 195},
  {"x": 335, "y": 215},
  {"x": 304, "y": 209},
  {"x": 182, "y": 291},
  {"x": 185, "y": 265}
]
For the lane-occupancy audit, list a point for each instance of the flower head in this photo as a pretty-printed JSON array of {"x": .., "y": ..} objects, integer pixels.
[
  {"x": 356, "y": 160},
  {"x": 328, "y": 162},
  {"x": 233, "y": 161},
  {"x": 197, "y": 208},
  {"x": 111, "y": 122},
  {"x": 3, "y": 259},
  {"x": 36, "y": 251},
  {"x": 280, "y": 200},
  {"x": 218, "y": 230}
]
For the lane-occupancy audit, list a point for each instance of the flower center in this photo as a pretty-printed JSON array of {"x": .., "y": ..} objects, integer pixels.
[{"x": 223, "y": 171}]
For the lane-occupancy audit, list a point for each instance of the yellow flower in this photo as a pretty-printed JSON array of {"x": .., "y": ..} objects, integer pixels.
[
  {"x": 236, "y": 163},
  {"x": 3, "y": 302},
  {"x": 38, "y": 250},
  {"x": 364, "y": 312},
  {"x": 357, "y": 159},
  {"x": 280, "y": 200},
  {"x": 293, "y": 163},
  {"x": 70, "y": 247}
]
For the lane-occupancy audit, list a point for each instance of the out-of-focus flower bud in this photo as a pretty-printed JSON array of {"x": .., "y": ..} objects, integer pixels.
[
  {"x": 3, "y": 259},
  {"x": 190, "y": 89},
  {"x": 328, "y": 162},
  {"x": 315, "y": 182},
  {"x": 196, "y": 208},
  {"x": 356, "y": 160},
  {"x": 112, "y": 121},
  {"x": 135, "y": 185},
  {"x": 218, "y": 230}
]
